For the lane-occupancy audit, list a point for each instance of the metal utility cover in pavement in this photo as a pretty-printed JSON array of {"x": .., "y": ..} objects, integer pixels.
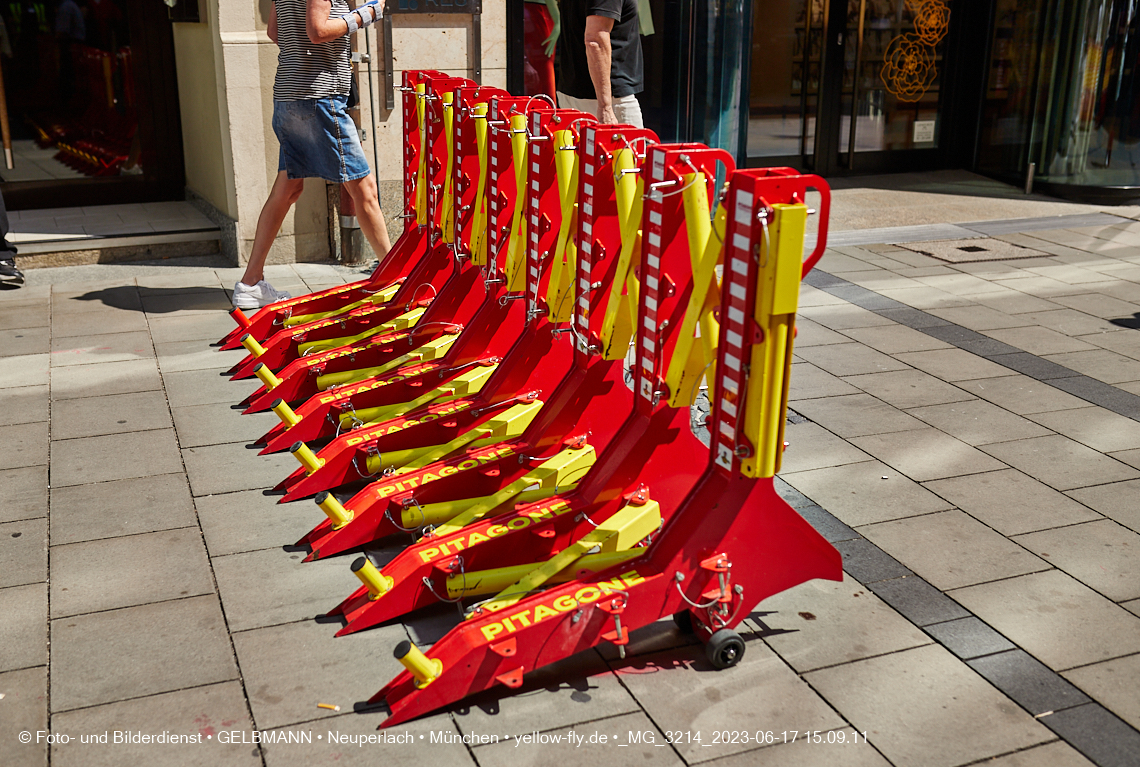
[{"x": 979, "y": 249}]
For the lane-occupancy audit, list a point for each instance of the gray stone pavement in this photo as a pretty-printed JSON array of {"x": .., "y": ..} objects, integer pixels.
[{"x": 966, "y": 434}]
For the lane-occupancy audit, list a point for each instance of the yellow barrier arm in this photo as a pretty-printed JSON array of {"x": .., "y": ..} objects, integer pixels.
[
  {"x": 433, "y": 349},
  {"x": 448, "y": 203},
  {"x": 379, "y": 297},
  {"x": 479, "y": 204},
  {"x": 466, "y": 384},
  {"x": 515, "y": 268},
  {"x": 421, "y": 171},
  {"x": 621, "y": 309},
  {"x": 403, "y": 322},
  {"x": 560, "y": 288}
]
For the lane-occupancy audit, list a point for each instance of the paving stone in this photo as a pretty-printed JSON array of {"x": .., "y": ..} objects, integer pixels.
[
  {"x": 89, "y": 349},
  {"x": 25, "y": 370},
  {"x": 137, "y": 651},
  {"x": 843, "y": 316},
  {"x": 912, "y": 318},
  {"x": 25, "y": 493},
  {"x": 810, "y": 446},
  {"x": 1100, "y": 554},
  {"x": 678, "y": 693},
  {"x": 23, "y": 550},
  {"x": 278, "y": 662},
  {"x": 616, "y": 751},
  {"x": 869, "y": 299},
  {"x": 824, "y": 623},
  {"x": 856, "y": 415},
  {"x": 105, "y": 378},
  {"x": 978, "y": 422},
  {"x": 24, "y": 341},
  {"x": 114, "y": 456},
  {"x": 198, "y": 302},
  {"x": 1117, "y": 501},
  {"x": 1070, "y": 322},
  {"x": 66, "y": 325},
  {"x": 925, "y": 454},
  {"x": 1097, "y": 304},
  {"x": 925, "y": 298},
  {"x": 198, "y": 711},
  {"x": 1033, "y": 366},
  {"x": 26, "y": 404},
  {"x": 918, "y": 601},
  {"x": 228, "y": 468},
  {"x": 826, "y": 524},
  {"x": 894, "y": 339},
  {"x": 1012, "y": 503},
  {"x": 1102, "y": 365},
  {"x": 201, "y": 425},
  {"x": 969, "y": 638},
  {"x": 197, "y": 327},
  {"x": 794, "y": 497},
  {"x": 25, "y": 314},
  {"x": 132, "y": 570},
  {"x": 953, "y": 364},
  {"x": 908, "y": 388},
  {"x": 25, "y": 444},
  {"x": 960, "y": 284},
  {"x": 25, "y": 709},
  {"x": 1055, "y": 754},
  {"x": 1113, "y": 685},
  {"x": 96, "y": 297},
  {"x": 971, "y": 341},
  {"x": 90, "y": 512},
  {"x": 810, "y": 333},
  {"x": 1015, "y": 302},
  {"x": 112, "y": 414},
  {"x": 1039, "y": 340},
  {"x": 1100, "y": 393},
  {"x": 848, "y": 750},
  {"x": 926, "y": 690},
  {"x": 1057, "y": 619},
  {"x": 233, "y": 523},
  {"x": 848, "y": 359},
  {"x": 858, "y": 494},
  {"x": 572, "y": 691},
  {"x": 810, "y": 382},
  {"x": 1043, "y": 287},
  {"x": 812, "y": 296},
  {"x": 180, "y": 356},
  {"x": 951, "y": 549},
  {"x": 1097, "y": 734},
  {"x": 1060, "y": 462},
  {"x": 268, "y": 587},
  {"x": 868, "y": 563},
  {"x": 203, "y": 387},
  {"x": 980, "y": 317},
  {"x": 23, "y": 632}
]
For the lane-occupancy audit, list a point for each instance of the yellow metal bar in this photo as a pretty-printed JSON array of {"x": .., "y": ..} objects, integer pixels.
[
  {"x": 252, "y": 346},
  {"x": 470, "y": 382},
  {"x": 333, "y": 509},
  {"x": 479, "y": 204},
  {"x": 621, "y": 309},
  {"x": 284, "y": 412},
  {"x": 691, "y": 360},
  {"x": 558, "y": 471},
  {"x": 378, "y": 584},
  {"x": 622, "y": 531},
  {"x": 306, "y": 457},
  {"x": 379, "y": 297},
  {"x": 561, "y": 288},
  {"x": 515, "y": 267},
  {"x": 492, "y": 581},
  {"x": 266, "y": 376},
  {"x": 447, "y": 202},
  {"x": 404, "y": 321},
  {"x": 766, "y": 394},
  {"x": 438, "y": 513},
  {"x": 422, "y": 171},
  {"x": 425, "y": 670},
  {"x": 433, "y": 349}
]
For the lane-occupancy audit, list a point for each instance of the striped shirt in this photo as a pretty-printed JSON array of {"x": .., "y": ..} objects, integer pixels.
[{"x": 305, "y": 70}]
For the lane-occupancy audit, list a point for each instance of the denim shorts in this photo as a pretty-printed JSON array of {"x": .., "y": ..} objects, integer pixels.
[{"x": 318, "y": 140}]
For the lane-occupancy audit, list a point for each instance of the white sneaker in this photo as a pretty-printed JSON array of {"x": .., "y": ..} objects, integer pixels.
[{"x": 256, "y": 296}]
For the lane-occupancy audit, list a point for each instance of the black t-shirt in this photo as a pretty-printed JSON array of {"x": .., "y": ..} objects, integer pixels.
[{"x": 626, "y": 70}]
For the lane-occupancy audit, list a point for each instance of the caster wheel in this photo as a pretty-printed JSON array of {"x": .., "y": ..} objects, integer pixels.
[
  {"x": 724, "y": 649},
  {"x": 684, "y": 622}
]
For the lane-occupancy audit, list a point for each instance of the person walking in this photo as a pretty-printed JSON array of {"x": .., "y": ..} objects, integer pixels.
[
  {"x": 318, "y": 139},
  {"x": 601, "y": 68},
  {"x": 10, "y": 276}
]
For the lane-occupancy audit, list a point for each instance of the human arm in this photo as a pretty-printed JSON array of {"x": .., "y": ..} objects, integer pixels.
[
  {"x": 271, "y": 27},
  {"x": 322, "y": 29},
  {"x": 549, "y": 43},
  {"x": 598, "y": 56}
]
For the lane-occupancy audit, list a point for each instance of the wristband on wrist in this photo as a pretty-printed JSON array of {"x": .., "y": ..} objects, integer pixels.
[{"x": 367, "y": 13}]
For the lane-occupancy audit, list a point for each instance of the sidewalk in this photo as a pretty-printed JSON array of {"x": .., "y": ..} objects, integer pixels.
[{"x": 965, "y": 432}]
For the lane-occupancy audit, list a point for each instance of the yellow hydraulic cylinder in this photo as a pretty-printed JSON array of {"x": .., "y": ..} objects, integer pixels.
[
  {"x": 433, "y": 349},
  {"x": 468, "y": 383},
  {"x": 402, "y": 322},
  {"x": 252, "y": 346},
  {"x": 426, "y": 670},
  {"x": 421, "y": 170},
  {"x": 333, "y": 509},
  {"x": 306, "y": 457},
  {"x": 445, "y": 511},
  {"x": 396, "y": 459},
  {"x": 284, "y": 412},
  {"x": 267, "y": 377},
  {"x": 447, "y": 224},
  {"x": 494, "y": 580},
  {"x": 378, "y": 584},
  {"x": 379, "y": 297}
]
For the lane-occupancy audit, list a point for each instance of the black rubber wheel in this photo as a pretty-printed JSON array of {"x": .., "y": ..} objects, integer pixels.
[
  {"x": 684, "y": 622},
  {"x": 724, "y": 649}
]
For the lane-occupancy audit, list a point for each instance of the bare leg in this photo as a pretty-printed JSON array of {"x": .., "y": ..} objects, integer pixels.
[
  {"x": 281, "y": 197},
  {"x": 366, "y": 197}
]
